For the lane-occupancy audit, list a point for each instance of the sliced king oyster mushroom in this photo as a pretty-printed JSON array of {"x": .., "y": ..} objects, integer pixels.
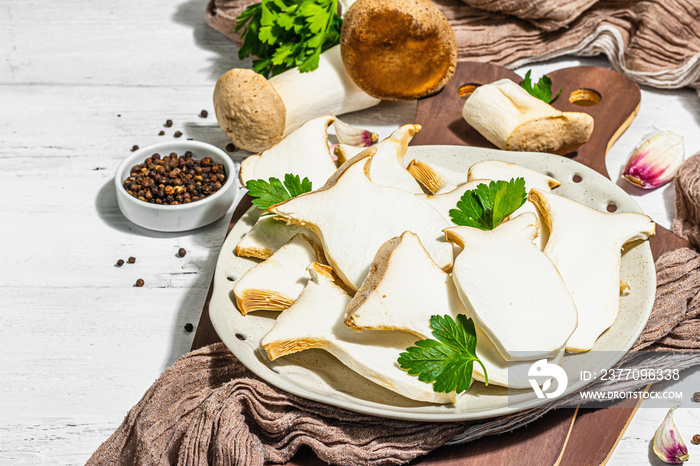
[
  {"x": 511, "y": 290},
  {"x": 585, "y": 246},
  {"x": 435, "y": 178},
  {"x": 315, "y": 320},
  {"x": 345, "y": 152},
  {"x": 405, "y": 288},
  {"x": 277, "y": 282},
  {"x": 444, "y": 202},
  {"x": 267, "y": 236},
  {"x": 388, "y": 168},
  {"x": 304, "y": 152},
  {"x": 497, "y": 170},
  {"x": 353, "y": 217}
]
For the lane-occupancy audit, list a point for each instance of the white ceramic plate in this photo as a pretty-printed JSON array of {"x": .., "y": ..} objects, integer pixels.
[{"x": 316, "y": 375}]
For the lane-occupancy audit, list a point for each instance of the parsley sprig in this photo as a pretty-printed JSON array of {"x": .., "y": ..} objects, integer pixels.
[
  {"x": 542, "y": 90},
  {"x": 487, "y": 206},
  {"x": 283, "y": 34},
  {"x": 274, "y": 191},
  {"x": 447, "y": 362}
]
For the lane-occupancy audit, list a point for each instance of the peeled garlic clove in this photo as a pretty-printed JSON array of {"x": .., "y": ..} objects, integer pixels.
[
  {"x": 354, "y": 136},
  {"x": 655, "y": 161},
  {"x": 668, "y": 444}
]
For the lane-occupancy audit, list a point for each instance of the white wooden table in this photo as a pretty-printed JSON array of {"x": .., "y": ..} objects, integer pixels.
[{"x": 81, "y": 82}]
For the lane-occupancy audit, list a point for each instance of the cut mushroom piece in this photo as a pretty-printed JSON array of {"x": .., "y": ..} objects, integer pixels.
[
  {"x": 267, "y": 236},
  {"x": 315, "y": 320},
  {"x": 512, "y": 119},
  {"x": 511, "y": 290},
  {"x": 435, "y": 178},
  {"x": 353, "y": 217},
  {"x": 497, "y": 170},
  {"x": 387, "y": 168},
  {"x": 398, "y": 50},
  {"x": 444, "y": 202},
  {"x": 345, "y": 152},
  {"x": 405, "y": 288},
  {"x": 304, "y": 152},
  {"x": 256, "y": 113},
  {"x": 277, "y": 282},
  {"x": 585, "y": 245}
]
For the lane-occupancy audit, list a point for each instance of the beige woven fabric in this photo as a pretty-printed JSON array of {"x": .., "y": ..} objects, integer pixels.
[
  {"x": 545, "y": 14},
  {"x": 687, "y": 183},
  {"x": 654, "y": 42},
  {"x": 209, "y": 409}
]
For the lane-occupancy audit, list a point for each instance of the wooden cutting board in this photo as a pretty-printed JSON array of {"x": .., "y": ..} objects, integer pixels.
[{"x": 566, "y": 436}]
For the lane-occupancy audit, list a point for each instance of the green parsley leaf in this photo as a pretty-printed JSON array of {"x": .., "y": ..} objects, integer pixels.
[
  {"x": 269, "y": 193},
  {"x": 542, "y": 90},
  {"x": 448, "y": 361},
  {"x": 487, "y": 206},
  {"x": 283, "y": 34}
]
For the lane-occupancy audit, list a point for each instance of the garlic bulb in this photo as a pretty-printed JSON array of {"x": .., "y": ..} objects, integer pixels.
[
  {"x": 668, "y": 444},
  {"x": 655, "y": 161},
  {"x": 354, "y": 136}
]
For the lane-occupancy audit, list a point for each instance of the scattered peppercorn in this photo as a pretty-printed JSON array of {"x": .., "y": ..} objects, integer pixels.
[
  {"x": 132, "y": 259},
  {"x": 177, "y": 134},
  {"x": 161, "y": 133},
  {"x": 189, "y": 327},
  {"x": 696, "y": 439},
  {"x": 230, "y": 147},
  {"x": 119, "y": 115},
  {"x": 203, "y": 114},
  {"x": 174, "y": 180},
  {"x": 139, "y": 282},
  {"x": 168, "y": 123},
  {"x": 696, "y": 397},
  {"x": 181, "y": 252},
  {"x": 135, "y": 148},
  {"x": 120, "y": 262}
]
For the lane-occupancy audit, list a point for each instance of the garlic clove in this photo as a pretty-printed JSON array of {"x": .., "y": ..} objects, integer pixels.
[
  {"x": 668, "y": 444},
  {"x": 655, "y": 161},
  {"x": 354, "y": 136}
]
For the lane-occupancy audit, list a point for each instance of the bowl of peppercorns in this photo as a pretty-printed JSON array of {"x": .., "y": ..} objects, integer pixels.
[{"x": 176, "y": 186}]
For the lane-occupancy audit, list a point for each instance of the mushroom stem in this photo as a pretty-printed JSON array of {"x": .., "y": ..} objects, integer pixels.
[
  {"x": 256, "y": 113},
  {"x": 326, "y": 90},
  {"x": 509, "y": 117}
]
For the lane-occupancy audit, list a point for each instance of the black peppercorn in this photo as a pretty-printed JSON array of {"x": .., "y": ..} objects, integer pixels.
[
  {"x": 174, "y": 179},
  {"x": 203, "y": 114},
  {"x": 161, "y": 133},
  {"x": 139, "y": 282},
  {"x": 177, "y": 134},
  {"x": 230, "y": 147},
  {"x": 135, "y": 148},
  {"x": 181, "y": 252},
  {"x": 132, "y": 259},
  {"x": 696, "y": 439},
  {"x": 168, "y": 123},
  {"x": 189, "y": 327},
  {"x": 120, "y": 262}
]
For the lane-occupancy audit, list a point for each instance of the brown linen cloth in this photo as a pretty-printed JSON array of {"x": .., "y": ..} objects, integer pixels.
[
  {"x": 209, "y": 409},
  {"x": 654, "y": 42},
  {"x": 687, "y": 183}
]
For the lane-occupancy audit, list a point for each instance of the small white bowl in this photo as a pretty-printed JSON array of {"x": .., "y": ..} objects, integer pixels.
[{"x": 179, "y": 217}]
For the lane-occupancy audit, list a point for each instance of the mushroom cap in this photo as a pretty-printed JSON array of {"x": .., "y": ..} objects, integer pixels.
[
  {"x": 249, "y": 110},
  {"x": 398, "y": 49}
]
